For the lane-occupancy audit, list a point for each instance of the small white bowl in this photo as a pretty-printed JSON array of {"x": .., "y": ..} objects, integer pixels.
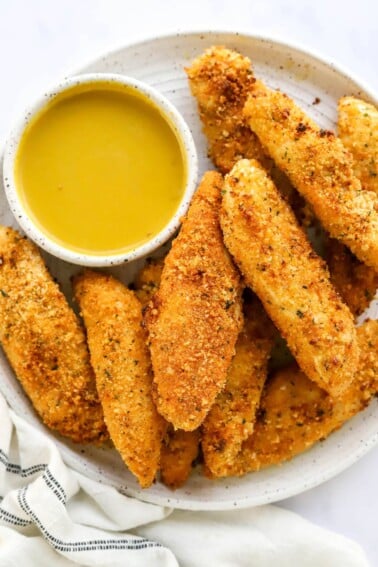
[{"x": 22, "y": 216}]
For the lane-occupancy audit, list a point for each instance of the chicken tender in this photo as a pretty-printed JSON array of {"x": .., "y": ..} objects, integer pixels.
[
  {"x": 195, "y": 317},
  {"x": 45, "y": 343},
  {"x": 356, "y": 283},
  {"x": 279, "y": 264},
  {"x": 220, "y": 80},
  {"x": 180, "y": 448},
  {"x": 232, "y": 417},
  {"x": 179, "y": 451},
  {"x": 117, "y": 342},
  {"x": 295, "y": 412},
  {"x": 319, "y": 167},
  {"x": 358, "y": 130}
]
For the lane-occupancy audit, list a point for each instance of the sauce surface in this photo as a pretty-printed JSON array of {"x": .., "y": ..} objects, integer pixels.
[{"x": 100, "y": 170}]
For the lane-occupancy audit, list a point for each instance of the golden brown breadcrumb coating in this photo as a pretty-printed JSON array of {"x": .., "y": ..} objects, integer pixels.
[
  {"x": 117, "y": 342},
  {"x": 319, "y": 167},
  {"x": 356, "y": 283},
  {"x": 195, "y": 317},
  {"x": 279, "y": 264},
  {"x": 232, "y": 417},
  {"x": 179, "y": 450},
  {"x": 45, "y": 343},
  {"x": 295, "y": 412},
  {"x": 358, "y": 130},
  {"x": 220, "y": 80}
]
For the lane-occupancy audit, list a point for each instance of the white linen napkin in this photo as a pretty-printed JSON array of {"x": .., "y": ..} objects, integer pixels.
[{"x": 52, "y": 516}]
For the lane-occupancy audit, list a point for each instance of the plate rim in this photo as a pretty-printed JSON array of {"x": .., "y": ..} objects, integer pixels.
[{"x": 275, "y": 38}]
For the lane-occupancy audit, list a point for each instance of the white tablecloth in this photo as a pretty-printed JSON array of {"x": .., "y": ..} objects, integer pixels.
[{"x": 51, "y": 516}]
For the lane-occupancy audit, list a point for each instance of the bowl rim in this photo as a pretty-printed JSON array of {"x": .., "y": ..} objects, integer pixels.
[{"x": 52, "y": 246}]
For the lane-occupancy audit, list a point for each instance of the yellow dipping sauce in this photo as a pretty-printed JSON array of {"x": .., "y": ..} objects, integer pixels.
[{"x": 99, "y": 169}]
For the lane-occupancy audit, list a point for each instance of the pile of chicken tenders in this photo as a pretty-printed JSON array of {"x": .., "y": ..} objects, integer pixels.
[{"x": 176, "y": 370}]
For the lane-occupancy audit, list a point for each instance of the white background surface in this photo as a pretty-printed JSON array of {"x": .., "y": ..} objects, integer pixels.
[{"x": 41, "y": 40}]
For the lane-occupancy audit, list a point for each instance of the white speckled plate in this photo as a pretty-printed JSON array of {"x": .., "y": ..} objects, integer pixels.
[{"x": 160, "y": 62}]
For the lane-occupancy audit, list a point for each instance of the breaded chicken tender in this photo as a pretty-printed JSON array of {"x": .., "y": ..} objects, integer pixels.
[
  {"x": 179, "y": 450},
  {"x": 295, "y": 412},
  {"x": 220, "y": 80},
  {"x": 117, "y": 342},
  {"x": 195, "y": 317},
  {"x": 358, "y": 130},
  {"x": 279, "y": 264},
  {"x": 45, "y": 343},
  {"x": 232, "y": 417},
  {"x": 319, "y": 167},
  {"x": 356, "y": 283}
]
